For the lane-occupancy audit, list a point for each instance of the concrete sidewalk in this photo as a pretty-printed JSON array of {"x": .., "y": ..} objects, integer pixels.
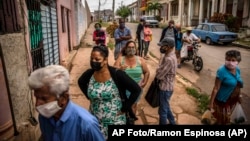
[{"x": 183, "y": 105}]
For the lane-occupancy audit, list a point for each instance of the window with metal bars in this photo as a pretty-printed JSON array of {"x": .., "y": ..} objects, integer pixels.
[
  {"x": 35, "y": 31},
  {"x": 9, "y": 17}
]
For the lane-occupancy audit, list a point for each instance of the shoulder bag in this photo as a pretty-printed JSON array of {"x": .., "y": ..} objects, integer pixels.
[{"x": 152, "y": 96}]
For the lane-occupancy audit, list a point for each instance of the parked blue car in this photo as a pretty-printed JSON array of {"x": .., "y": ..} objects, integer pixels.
[{"x": 214, "y": 33}]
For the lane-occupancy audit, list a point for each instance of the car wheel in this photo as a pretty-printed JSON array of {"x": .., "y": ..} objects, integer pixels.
[{"x": 208, "y": 41}]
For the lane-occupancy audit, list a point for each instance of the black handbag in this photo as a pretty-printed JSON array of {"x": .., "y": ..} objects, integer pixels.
[{"x": 153, "y": 96}]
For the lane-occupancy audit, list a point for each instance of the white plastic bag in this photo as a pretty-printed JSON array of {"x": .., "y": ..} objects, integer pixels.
[
  {"x": 184, "y": 52},
  {"x": 238, "y": 115}
]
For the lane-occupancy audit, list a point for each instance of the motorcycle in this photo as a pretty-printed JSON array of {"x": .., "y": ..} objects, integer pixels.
[{"x": 194, "y": 56}]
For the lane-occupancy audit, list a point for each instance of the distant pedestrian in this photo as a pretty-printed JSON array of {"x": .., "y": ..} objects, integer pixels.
[
  {"x": 166, "y": 75},
  {"x": 91, "y": 18},
  {"x": 169, "y": 31},
  {"x": 105, "y": 86},
  {"x": 135, "y": 66},
  {"x": 140, "y": 36},
  {"x": 147, "y": 39},
  {"x": 226, "y": 91},
  {"x": 60, "y": 119},
  {"x": 99, "y": 35},
  {"x": 179, "y": 44},
  {"x": 122, "y": 35},
  {"x": 188, "y": 38}
]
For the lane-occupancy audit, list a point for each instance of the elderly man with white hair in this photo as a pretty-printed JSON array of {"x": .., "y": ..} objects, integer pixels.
[{"x": 60, "y": 119}]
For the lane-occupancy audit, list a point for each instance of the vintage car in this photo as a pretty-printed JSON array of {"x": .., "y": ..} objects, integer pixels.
[
  {"x": 214, "y": 33},
  {"x": 153, "y": 22}
]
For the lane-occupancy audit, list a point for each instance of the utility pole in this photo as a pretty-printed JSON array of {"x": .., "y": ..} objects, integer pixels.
[
  {"x": 113, "y": 9},
  {"x": 99, "y": 5}
]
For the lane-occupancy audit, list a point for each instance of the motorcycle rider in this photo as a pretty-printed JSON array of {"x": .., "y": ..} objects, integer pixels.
[{"x": 188, "y": 38}]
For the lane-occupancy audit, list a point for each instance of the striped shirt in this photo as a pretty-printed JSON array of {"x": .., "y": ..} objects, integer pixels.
[{"x": 167, "y": 71}]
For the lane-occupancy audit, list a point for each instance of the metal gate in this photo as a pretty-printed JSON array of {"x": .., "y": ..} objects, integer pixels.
[
  {"x": 35, "y": 30},
  {"x": 43, "y": 33},
  {"x": 50, "y": 33}
]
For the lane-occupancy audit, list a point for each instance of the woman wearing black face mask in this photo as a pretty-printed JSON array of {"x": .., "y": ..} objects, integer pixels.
[{"x": 105, "y": 87}]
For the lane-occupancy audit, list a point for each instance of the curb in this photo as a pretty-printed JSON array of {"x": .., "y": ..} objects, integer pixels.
[
  {"x": 241, "y": 46},
  {"x": 68, "y": 61}
]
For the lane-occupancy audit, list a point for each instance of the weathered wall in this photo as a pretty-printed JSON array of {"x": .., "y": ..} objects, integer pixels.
[
  {"x": 80, "y": 25},
  {"x": 246, "y": 14},
  {"x": 65, "y": 38},
  {"x": 18, "y": 65},
  {"x": 82, "y": 15},
  {"x": 88, "y": 13},
  {"x": 15, "y": 56}
]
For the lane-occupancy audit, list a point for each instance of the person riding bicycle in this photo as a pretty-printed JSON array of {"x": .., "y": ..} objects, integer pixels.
[{"x": 188, "y": 38}]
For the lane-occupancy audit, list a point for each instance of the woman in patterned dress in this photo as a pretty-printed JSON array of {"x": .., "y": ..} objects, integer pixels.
[{"x": 103, "y": 85}]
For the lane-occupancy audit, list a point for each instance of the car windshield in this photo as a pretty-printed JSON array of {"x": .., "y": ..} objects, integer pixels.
[
  {"x": 218, "y": 28},
  {"x": 150, "y": 18}
]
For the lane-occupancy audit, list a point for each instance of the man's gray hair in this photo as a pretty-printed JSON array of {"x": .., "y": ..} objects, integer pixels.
[{"x": 56, "y": 77}]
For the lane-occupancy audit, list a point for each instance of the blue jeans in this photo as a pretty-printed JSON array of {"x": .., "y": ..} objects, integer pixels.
[{"x": 164, "y": 111}]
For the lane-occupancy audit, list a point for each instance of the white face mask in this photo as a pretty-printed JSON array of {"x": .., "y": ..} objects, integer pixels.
[
  {"x": 231, "y": 64},
  {"x": 49, "y": 109}
]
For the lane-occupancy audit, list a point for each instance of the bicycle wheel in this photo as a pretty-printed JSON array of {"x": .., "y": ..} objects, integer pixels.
[{"x": 198, "y": 64}]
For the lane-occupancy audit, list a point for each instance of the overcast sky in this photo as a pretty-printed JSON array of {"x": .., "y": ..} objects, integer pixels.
[{"x": 93, "y": 4}]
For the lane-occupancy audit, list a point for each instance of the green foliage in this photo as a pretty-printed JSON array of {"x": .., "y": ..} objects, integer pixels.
[
  {"x": 111, "y": 44},
  {"x": 154, "y": 6},
  {"x": 123, "y": 11},
  {"x": 227, "y": 19},
  {"x": 203, "y": 99},
  {"x": 159, "y": 18},
  {"x": 105, "y": 24},
  {"x": 231, "y": 22}
]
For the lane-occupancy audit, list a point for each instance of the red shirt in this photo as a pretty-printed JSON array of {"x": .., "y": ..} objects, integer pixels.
[{"x": 99, "y": 37}]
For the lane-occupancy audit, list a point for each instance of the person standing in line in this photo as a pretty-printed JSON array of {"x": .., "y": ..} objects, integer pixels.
[
  {"x": 140, "y": 36},
  {"x": 99, "y": 35},
  {"x": 226, "y": 91},
  {"x": 169, "y": 31},
  {"x": 178, "y": 44},
  {"x": 147, "y": 38},
  {"x": 105, "y": 87},
  {"x": 166, "y": 75},
  {"x": 122, "y": 34},
  {"x": 60, "y": 119},
  {"x": 134, "y": 66}
]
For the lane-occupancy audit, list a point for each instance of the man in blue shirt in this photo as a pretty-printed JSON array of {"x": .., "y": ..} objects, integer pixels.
[
  {"x": 122, "y": 34},
  {"x": 60, "y": 119}
]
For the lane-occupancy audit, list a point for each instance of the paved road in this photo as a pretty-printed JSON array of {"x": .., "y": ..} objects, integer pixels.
[{"x": 213, "y": 57}]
